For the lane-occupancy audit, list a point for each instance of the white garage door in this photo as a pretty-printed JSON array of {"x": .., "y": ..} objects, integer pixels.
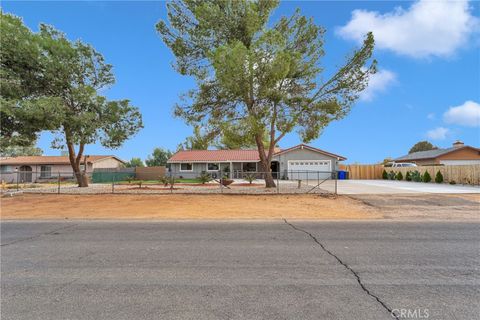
[{"x": 309, "y": 169}]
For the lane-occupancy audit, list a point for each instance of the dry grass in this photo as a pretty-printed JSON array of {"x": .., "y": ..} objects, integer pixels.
[{"x": 267, "y": 207}]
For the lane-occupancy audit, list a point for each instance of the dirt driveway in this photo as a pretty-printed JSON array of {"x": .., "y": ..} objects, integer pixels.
[{"x": 304, "y": 207}]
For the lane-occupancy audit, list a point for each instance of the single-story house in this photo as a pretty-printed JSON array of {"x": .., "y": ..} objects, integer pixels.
[
  {"x": 298, "y": 162},
  {"x": 458, "y": 154},
  {"x": 34, "y": 168}
]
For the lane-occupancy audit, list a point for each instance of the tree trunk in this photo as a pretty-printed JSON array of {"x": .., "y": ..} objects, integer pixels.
[
  {"x": 265, "y": 163},
  {"x": 80, "y": 175}
]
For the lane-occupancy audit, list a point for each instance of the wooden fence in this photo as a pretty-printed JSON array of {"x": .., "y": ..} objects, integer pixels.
[
  {"x": 149, "y": 173},
  {"x": 469, "y": 174}
]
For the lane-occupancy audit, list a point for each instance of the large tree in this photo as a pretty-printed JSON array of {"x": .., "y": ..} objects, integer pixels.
[
  {"x": 265, "y": 75},
  {"x": 16, "y": 151},
  {"x": 62, "y": 94},
  {"x": 134, "y": 162},
  {"x": 422, "y": 146}
]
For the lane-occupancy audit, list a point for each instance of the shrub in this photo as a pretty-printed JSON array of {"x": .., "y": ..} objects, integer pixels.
[
  {"x": 408, "y": 176},
  {"x": 250, "y": 177},
  {"x": 439, "y": 177},
  {"x": 391, "y": 175},
  {"x": 416, "y": 176},
  {"x": 426, "y": 177},
  {"x": 384, "y": 175},
  {"x": 452, "y": 182},
  {"x": 204, "y": 177},
  {"x": 399, "y": 176},
  {"x": 164, "y": 180}
]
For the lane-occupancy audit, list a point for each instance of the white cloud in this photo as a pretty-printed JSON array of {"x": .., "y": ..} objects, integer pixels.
[
  {"x": 431, "y": 116},
  {"x": 468, "y": 114},
  {"x": 378, "y": 83},
  {"x": 427, "y": 28},
  {"x": 439, "y": 133}
]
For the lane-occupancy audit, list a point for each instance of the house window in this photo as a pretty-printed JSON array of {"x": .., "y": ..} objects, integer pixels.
[
  {"x": 212, "y": 166},
  {"x": 186, "y": 166},
  {"x": 249, "y": 166},
  {"x": 45, "y": 171},
  {"x": 4, "y": 169}
]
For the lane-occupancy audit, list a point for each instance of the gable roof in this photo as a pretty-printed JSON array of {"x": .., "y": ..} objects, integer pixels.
[
  {"x": 431, "y": 154},
  {"x": 236, "y": 155},
  {"x": 25, "y": 160}
]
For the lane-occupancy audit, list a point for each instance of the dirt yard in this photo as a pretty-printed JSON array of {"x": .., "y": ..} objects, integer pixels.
[{"x": 184, "y": 206}]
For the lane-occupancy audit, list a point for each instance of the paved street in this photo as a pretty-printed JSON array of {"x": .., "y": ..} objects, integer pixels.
[{"x": 239, "y": 270}]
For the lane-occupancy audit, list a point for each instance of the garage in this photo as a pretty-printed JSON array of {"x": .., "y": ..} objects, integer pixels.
[{"x": 309, "y": 169}]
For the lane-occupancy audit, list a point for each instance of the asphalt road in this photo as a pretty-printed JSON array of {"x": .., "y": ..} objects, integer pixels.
[{"x": 240, "y": 270}]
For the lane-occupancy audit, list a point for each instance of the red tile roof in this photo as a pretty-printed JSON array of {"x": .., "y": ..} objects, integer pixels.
[
  {"x": 234, "y": 155},
  {"x": 215, "y": 155},
  {"x": 47, "y": 160}
]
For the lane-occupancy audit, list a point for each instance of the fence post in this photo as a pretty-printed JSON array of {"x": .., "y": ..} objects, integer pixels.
[
  {"x": 221, "y": 180},
  {"x": 113, "y": 182},
  {"x": 278, "y": 183},
  {"x": 336, "y": 178},
  {"x": 17, "y": 178},
  {"x": 58, "y": 182}
]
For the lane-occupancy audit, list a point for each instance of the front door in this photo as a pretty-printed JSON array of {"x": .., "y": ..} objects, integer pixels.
[
  {"x": 25, "y": 174},
  {"x": 274, "y": 166}
]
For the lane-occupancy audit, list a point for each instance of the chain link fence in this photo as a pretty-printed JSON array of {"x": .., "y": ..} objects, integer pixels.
[{"x": 212, "y": 182}]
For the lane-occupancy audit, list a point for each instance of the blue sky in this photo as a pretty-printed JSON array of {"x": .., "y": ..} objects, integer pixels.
[{"x": 428, "y": 85}]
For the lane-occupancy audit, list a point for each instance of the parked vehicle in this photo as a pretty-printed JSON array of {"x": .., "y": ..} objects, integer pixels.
[{"x": 399, "y": 165}]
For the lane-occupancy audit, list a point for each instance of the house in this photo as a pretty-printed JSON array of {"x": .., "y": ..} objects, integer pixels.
[
  {"x": 35, "y": 168},
  {"x": 458, "y": 154},
  {"x": 298, "y": 162}
]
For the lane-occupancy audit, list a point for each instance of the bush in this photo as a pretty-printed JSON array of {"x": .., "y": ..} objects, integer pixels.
[
  {"x": 399, "y": 176},
  {"x": 391, "y": 175},
  {"x": 426, "y": 177},
  {"x": 452, "y": 182},
  {"x": 250, "y": 177},
  {"x": 416, "y": 176},
  {"x": 439, "y": 177},
  {"x": 384, "y": 175},
  {"x": 408, "y": 176},
  {"x": 204, "y": 177},
  {"x": 164, "y": 180}
]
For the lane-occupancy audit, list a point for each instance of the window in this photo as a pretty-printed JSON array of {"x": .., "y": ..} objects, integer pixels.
[
  {"x": 249, "y": 166},
  {"x": 4, "y": 169},
  {"x": 186, "y": 167},
  {"x": 45, "y": 171},
  {"x": 212, "y": 166}
]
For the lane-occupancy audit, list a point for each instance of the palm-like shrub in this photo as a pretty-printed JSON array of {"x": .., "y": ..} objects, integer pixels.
[
  {"x": 408, "y": 176},
  {"x": 204, "y": 177},
  {"x": 416, "y": 176},
  {"x": 250, "y": 177},
  {"x": 391, "y": 175}
]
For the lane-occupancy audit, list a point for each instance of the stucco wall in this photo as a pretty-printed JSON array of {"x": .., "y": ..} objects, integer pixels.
[{"x": 107, "y": 163}]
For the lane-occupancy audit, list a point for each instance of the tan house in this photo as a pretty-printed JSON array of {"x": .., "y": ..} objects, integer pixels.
[
  {"x": 35, "y": 168},
  {"x": 458, "y": 154}
]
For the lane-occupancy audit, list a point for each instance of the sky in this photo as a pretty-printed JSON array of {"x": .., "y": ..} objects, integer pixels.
[{"x": 427, "y": 86}]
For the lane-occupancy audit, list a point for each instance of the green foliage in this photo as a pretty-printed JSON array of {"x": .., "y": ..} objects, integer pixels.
[
  {"x": 51, "y": 83},
  {"x": 391, "y": 175},
  {"x": 159, "y": 157},
  {"x": 250, "y": 177},
  {"x": 439, "y": 177},
  {"x": 399, "y": 176},
  {"x": 204, "y": 177},
  {"x": 134, "y": 162},
  {"x": 384, "y": 175},
  {"x": 165, "y": 180},
  {"x": 408, "y": 176},
  {"x": 198, "y": 141},
  {"x": 15, "y": 151},
  {"x": 422, "y": 146},
  {"x": 426, "y": 177},
  {"x": 416, "y": 176},
  {"x": 262, "y": 75}
]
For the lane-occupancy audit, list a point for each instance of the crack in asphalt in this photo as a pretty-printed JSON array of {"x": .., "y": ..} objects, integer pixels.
[
  {"x": 355, "y": 274},
  {"x": 38, "y": 235}
]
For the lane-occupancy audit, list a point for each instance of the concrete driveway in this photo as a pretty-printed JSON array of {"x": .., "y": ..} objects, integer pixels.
[{"x": 398, "y": 187}]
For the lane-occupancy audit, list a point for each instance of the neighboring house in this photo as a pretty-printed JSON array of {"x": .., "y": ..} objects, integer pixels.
[
  {"x": 36, "y": 168},
  {"x": 458, "y": 154},
  {"x": 299, "y": 162}
]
